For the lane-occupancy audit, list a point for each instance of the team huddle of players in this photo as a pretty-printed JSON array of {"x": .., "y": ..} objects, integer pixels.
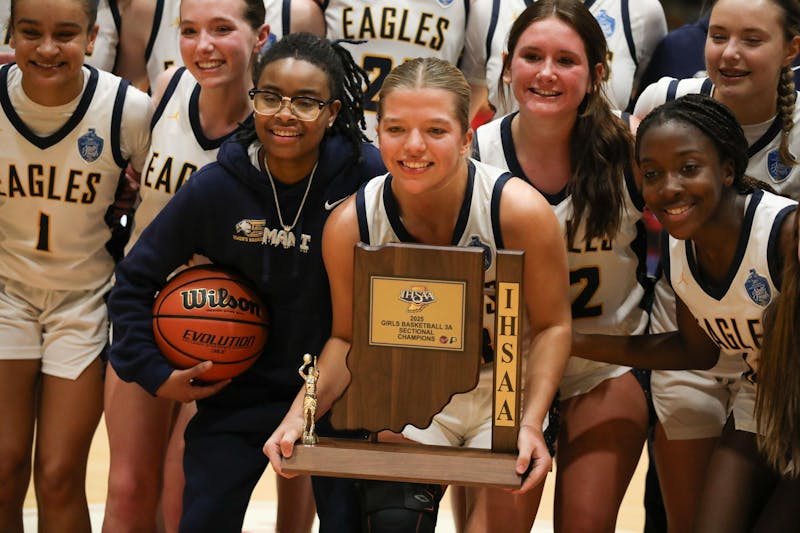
[{"x": 141, "y": 136}]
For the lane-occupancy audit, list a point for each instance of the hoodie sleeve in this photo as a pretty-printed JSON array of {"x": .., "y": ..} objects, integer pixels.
[{"x": 166, "y": 244}]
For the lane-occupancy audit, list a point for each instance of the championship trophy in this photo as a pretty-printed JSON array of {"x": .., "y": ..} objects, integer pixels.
[{"x": 417, "y": 341}]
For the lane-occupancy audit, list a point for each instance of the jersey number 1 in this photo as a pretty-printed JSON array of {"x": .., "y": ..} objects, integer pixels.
[{"x": 43, "y": 243}]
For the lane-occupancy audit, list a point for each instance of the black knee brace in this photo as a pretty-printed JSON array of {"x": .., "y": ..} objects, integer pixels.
[{"x": 396, "y": 507}]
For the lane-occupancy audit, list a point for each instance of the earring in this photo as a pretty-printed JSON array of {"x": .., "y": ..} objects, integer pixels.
[{"x": 330, "y": 124}]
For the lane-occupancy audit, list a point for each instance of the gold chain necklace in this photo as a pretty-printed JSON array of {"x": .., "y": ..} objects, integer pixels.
[{"x": 286, "y": 228}]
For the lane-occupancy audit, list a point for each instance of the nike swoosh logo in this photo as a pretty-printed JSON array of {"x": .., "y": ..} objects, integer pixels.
[{"x": 330, "y": 205}]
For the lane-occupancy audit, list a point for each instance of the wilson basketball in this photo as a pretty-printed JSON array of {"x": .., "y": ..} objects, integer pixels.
[{"x": 206, "y": 313}]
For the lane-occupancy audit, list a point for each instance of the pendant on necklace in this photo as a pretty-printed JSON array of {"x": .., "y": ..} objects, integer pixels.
[{"x": 284, "y": 238}]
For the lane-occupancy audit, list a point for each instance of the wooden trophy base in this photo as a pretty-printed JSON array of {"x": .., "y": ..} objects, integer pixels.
[{"x": 416, "y": 463}]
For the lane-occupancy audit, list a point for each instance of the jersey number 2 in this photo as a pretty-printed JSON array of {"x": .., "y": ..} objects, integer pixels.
[
  {"x": 377, "y": 69},
  {"x": 589, "y": 277}
]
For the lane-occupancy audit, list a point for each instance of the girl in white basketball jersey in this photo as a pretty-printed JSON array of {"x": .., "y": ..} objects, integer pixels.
[
  {"x": 727, "y": 240},
  {"x": 749, "y": 51},
  {"x": 67, "y": 132},
  {"x": 197, "y": 108},
  {"x": 434, "y": 194},
  {"x": 569, "y": 145}
]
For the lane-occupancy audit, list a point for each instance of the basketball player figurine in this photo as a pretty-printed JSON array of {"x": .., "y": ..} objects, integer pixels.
[{"x": 310, "y": 399}]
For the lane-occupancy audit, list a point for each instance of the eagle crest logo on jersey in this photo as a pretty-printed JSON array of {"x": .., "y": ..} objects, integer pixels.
[
  {"x": 607, "y": 23},
  {"x": 758, "y": 288},
  {"x": 475, "y": 241},
  {"x": 445, "y": 3},
  {"x": 777, "y": 170},
  {"x": 249, "y": 230},
  {"x": 417, "y": 298},
  {"x": 90, "y": 146}
]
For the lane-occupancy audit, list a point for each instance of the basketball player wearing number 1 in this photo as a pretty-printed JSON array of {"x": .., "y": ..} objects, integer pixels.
[{"x": 67, "y": 132}]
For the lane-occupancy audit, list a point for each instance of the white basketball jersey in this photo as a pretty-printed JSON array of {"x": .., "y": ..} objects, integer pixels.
[
  {"x": 632, "y": 29},
  {"x": 606, "y": 277},
  {"x": 731, "y": 314},
  {"x": 178, "y": 147},
  {"x": 55, "y": 189},
  {"x": 393, "y": 33},
  {"x": 764, "y": 139},
  {"x": 379, "y": 220},
  {"x": 163, "y": 49}
]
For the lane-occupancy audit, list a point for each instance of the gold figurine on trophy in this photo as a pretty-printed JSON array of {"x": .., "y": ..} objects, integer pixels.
[{"x": 308, "y": 371}]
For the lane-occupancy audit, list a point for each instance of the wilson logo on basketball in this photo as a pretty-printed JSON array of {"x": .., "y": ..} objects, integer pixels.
[{"x": 218, "y": 298}]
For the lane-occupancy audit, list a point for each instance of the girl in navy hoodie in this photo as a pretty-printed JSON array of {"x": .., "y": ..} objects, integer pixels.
[{"x": 303, "y": 153}]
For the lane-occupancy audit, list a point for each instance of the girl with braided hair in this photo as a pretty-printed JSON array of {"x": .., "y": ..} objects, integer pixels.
[
  {"x": 300, "y": 153},
  {"x": 749, "y": 51},
  {"x": 727, "y": 240}
]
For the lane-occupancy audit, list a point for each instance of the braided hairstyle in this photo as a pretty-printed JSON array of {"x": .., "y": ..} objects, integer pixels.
[
  {"x": 601, "y": 145},
  {"x": 716, "y": 122},
  {"x": 346, "y": 81},
  {"x": 787, "y": 92}
]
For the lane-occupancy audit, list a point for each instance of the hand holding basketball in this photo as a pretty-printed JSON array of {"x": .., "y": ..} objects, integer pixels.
[{"x": 181, "y": 385}]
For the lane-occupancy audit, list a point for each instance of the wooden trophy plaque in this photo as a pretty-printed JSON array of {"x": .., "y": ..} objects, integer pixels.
[{"x": 418, "y": 338}]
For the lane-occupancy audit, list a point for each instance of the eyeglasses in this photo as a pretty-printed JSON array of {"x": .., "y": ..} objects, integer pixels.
[{"x": 303, "y": 107}]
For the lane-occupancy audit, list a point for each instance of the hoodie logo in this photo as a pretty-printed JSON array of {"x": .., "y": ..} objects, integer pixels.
[{"x": 249, "y": 230}]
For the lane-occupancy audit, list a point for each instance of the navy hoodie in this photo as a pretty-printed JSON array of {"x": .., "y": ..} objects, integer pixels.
[{"x": 213, "y": 214}]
